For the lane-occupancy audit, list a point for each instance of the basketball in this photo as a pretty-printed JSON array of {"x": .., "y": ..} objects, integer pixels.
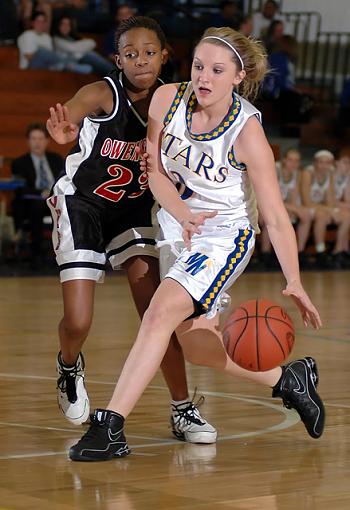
[{"x": 258, "y": 335}]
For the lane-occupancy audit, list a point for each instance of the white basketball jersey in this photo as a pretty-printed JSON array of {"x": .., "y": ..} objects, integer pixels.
[
  {"x": 318, "y": 190},
  {"x": 203, "y": 166},
  {"x": 340, "y": 185},
  {"x": 287, "y": 187}
]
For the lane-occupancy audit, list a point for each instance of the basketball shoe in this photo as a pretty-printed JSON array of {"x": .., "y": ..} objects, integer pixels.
[
  {"x": 104, "y": 440},
  {"x": 72, "y": 397},
  {"x": 187, "y": 424},
  {"x": 297, "y": 388}
]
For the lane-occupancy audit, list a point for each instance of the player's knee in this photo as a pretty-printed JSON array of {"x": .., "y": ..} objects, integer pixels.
[
  {"x": 305, "y": 216},
  {"x": 323, "y": 217},
  {"x": 155, "y": 316},
  {"x": 76, "y": 327}
]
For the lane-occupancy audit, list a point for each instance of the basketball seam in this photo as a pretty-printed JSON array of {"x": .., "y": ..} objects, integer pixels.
[
  {"x": 275, "y": 336},
  {"x": 238, "y": 339},
  {"x": 259, "y": 317}
]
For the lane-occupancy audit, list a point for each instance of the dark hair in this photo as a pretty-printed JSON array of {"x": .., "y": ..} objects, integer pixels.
[
  {"x": 139, "y": 22},
  {"x": 36, "y": 14},
  {"x": 73, "y": 34},
  {"x": 37, "y": 126}
]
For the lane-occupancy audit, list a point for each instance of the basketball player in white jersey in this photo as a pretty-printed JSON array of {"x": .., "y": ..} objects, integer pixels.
[
  {"x": 342, "y": 192},
  {"x": 289, "y": 179},
  {"x": 318, "y": 193},
  {"x": 205, "y": 172},
  {"x": 342, "y": 180}
]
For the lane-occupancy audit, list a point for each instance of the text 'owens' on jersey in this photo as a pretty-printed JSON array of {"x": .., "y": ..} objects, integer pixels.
[{"x": 104, "y": 167}]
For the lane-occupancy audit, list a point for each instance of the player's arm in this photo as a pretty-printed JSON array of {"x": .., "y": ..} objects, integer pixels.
[
  {"x": 90, "y": 100},
  {"x": 261, "y": 170},
  {"x": 162, "y": 188}
]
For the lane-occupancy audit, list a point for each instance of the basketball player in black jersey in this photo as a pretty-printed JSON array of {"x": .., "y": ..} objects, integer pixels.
[{"x": 102, "y": 211}]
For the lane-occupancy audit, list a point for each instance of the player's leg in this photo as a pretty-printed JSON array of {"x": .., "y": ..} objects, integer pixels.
[
  {"x": 303, "y": 228},
  {"x": 202, "y": 344},
  {"x": 80, "y": 269},
  {"x": 341, "y": 218},
  {"x": 105, "y": 439},
  {"x": 143, "y": 277},
  {"x": 321, "y": 220}
]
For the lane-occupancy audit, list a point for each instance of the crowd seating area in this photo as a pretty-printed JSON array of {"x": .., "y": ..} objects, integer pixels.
[{"x": 26, "y": 95}]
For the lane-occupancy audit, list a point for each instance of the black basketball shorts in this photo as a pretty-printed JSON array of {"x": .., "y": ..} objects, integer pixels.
[{"x": 86, "y": 235}]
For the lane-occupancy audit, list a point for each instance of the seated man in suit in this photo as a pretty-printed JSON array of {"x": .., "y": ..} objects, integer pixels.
[{"x": 38, "y": 169}]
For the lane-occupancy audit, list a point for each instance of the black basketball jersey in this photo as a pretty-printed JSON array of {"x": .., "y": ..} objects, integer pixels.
[{"x": 103, "y": 166}]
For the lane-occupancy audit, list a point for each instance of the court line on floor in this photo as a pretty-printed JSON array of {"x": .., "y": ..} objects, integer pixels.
[
  {"x": 163, "y": 388},
  {"x": 290, "y": 418}
]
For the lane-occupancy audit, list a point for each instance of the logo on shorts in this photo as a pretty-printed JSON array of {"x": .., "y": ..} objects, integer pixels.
[{"x": 197, "y": 262}]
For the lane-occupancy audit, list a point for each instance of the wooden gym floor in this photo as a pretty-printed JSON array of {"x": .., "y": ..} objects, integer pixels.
[{"x": 263, "y": 460}]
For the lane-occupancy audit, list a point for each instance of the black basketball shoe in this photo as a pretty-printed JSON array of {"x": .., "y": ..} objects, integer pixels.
[
  {"x": 297, "y": 388},
  {"x": 104, "y": 440}
]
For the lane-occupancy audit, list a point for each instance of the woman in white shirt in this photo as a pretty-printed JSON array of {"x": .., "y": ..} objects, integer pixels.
[{"x": 67, "y": 42}]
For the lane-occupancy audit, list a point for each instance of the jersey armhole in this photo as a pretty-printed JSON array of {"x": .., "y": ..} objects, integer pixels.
[
  {"x": 105, "y": 118},
  {"x": 231, "y": 153},
  {"x": 175, "y": 104}
]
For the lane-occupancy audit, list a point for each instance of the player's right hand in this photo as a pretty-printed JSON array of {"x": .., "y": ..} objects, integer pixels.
[
  {"x": 59, "y": 125},
  {"x": 192, "y": 223}
]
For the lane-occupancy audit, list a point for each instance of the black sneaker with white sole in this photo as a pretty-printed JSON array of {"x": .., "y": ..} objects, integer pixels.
[
  {"x": 298, "y": 389},
  {"x": 104, "y": 440}
]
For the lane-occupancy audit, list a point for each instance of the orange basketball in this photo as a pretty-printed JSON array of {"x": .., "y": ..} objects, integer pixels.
[{"x": 258, "y": 335}]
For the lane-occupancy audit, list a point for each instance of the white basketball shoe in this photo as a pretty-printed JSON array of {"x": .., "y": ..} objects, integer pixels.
[
  {"x": 188, "y": 425},
  {"x": 72, "y": 396}
]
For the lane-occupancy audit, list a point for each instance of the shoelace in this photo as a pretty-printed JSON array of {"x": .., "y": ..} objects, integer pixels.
[
  {"x": 66, "y": 382},
  {"x": 190, "y": 413},
  {"x": 94, "y": 429}
]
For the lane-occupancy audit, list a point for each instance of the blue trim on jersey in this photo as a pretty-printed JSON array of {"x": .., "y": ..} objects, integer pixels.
[
  {"x": 226, "y": 123},
  {"x": 232, "y": 160},
  {"x": 227, "y": 271},
  {"x": 175, "y": 104},
  {"x": 133, "y": 242}
]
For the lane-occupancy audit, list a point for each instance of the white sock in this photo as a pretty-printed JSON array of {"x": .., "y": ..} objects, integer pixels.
[
  {"x": 320, "y": 247},
  {"x": 180, "y": 402}
]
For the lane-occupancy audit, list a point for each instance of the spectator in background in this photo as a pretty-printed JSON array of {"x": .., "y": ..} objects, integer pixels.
[
  {"x": 289, "y": 179},
  {"x": 318, "y": 194},
  {"x": 68, "y": 43},
  {"x": 263, "y": 19},
  {"x": 27, "y": 8},
  {"x": 273, "y": 35},
  {"x": 245, "y": 25},
  {"x": 280, "y": 84},
  {"x": 228, "y": 16},
  {"x": 123, "y": 12},
  {"x": 341, "y": 178},
  {"x": 36, "y": 49},
  {"x": 38, "y": 169}
]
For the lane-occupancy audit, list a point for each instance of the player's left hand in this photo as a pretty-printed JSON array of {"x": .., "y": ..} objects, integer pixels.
[
  {"x": 143, "y": 160},
  {"x": 308, "y": 311}
]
